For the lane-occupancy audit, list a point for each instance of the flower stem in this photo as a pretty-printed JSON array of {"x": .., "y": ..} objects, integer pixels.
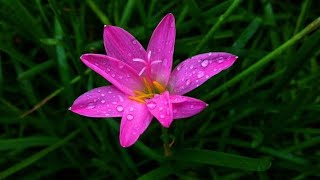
[{"x": 166, "y": 145}]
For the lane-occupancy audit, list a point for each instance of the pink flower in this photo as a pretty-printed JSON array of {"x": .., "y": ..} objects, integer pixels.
[{"x": 143, "y": 84}]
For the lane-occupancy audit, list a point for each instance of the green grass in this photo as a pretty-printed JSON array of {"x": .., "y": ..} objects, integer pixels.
[{"x": 262, "y": 121}]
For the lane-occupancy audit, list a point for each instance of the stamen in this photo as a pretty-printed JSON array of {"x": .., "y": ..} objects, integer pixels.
[
  {"x": 139, "y": 60},
  {"x": 156, "y": 62},
  {"x": 139, "y": 93},
  {"x": 141, "y": 71},
  {"x": 147, "y": 85},
  {"x": 136, "y": 99},
  {"x": 145, "y": 96},
  {"x": 158, "y": 86}
]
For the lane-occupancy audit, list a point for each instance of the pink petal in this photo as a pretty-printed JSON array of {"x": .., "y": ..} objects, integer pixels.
[
  {"x": 116, "y": 72},
  {"x": 122, "y": 45},
  {"x": 106, "y": 101},
  {"x": 196, "y": 70},
  {"x": 184, "y": 106},
  {"x": 161, "y": 46},
  {"x": 135, "y": 120},
  {"x": 161, "y": 108}
]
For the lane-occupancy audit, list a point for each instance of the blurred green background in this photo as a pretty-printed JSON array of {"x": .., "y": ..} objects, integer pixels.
[{"x": 263, "y": 116}]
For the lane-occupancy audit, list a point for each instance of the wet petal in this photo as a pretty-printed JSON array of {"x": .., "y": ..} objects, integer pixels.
[
  {"x": 183, "y": 106},
  {"x": 135, "y": 120},
  {"x": 161, "y": 47},
  {"x": 122, "y": 45},
  {"x": 106, "y": 101},
  {"x": 161, "y": 108},
  {"x": 193, "y": 72},
  {"x": 116, "y": 72}
]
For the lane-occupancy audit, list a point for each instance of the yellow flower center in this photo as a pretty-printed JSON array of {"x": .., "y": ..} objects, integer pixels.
[{"x": 150, "y": 89}]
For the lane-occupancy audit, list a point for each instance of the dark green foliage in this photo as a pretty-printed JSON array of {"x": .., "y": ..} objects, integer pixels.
[{"x": 262, "y": 121}]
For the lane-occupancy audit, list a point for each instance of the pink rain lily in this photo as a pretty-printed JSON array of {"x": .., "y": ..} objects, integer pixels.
[{"x": 143, "y": 84}]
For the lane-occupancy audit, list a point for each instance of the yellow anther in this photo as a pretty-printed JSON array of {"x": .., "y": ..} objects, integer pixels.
[
  {"x": 145, "y": 96},
  {"x": 158, "y": 86},
  {"x": 147, "y": 85},
  {"x": 136, "y": 99},
  {"x": 139, "y": 93}
]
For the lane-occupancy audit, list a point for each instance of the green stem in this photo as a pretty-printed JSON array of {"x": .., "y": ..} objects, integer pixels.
[
  {"x": 311, "y": 27},
  {"x": 166, "y": 144}
]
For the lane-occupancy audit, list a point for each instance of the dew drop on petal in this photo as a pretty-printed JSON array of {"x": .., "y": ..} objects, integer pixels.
[
  {"x": 161, "y": 108},
  {"x": 102, "y": 94},
  {"x": 162, "y": 116},
  {"x": 210, "y": 54},
  {"x": 103, "y": 101},
  {"x": 200, "y": 74},
  {"x": 134, "y": 41},
  {"x": 90, "y": 106},
  {"x": 120, "y": 108},
  {"x": 130, "y": 117},
  {"x": 151, "y": 105},
  {"x": 131, "y": 109},
  {"x": 205, "y": 63},
  {"x": 188, "y": 82}
]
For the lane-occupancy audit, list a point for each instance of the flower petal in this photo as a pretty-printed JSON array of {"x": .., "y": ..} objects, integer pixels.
[
  {"x": 135, "y": 120},
  {"x": 161, "y": 47},
  {"x": 161, "y": 108},
  {"x": 106, "y": 101},
  {"x": 116, "y": 72},
  {"x": 193, "y": 72},
  {"x": 184, "y": 106},
  {"x": 122, "y": 45}
]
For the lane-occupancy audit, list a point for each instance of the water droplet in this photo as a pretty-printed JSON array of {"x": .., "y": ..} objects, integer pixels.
[
  {"x": 113, "y": 75},
  {"x": 102, "y": 94},
  {"x": 210, "y": 54},
  {"x": 121, "y": 66},
  {"x": 192, "y": 106},
  {"x": 91, "y": 106},
  {"x": 162, "y": 116},
  {"x": 131, "y": 109},
  {"x": 120, "y": 77},
  {"x": 130, "y": 117},
  {"x": 220, "y": 59},
  {"x": 188, "y": 82},
  {"x": 205, "y": 63},
  {"x": 108, "y": 69},
  {"x": 151, "y": 105},
  {"x": 161, "y": 108},
  {"x": 134, "y": 41},
  {"x": 103, "y": 101},
  {"x": 120, "y": 98},
  {"x": 99, "y": 91},
  {"x": 200, "y": 74},
  {"x": 178, "y": 68},
  {"x": 120, "y": 108},
  {"x": 109, "y": 92},
  {"x": 191, "y": 67}
]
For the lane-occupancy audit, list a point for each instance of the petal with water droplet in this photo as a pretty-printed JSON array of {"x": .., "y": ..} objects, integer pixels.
[
  {"x": 204, "y": 67},
  {"x": 92, "y": 104},
  {"x": 161, "y": 46},
  {"x": 123, "y": 46},
  {"x": 184, "y": 106},
  {"x": 162, "y": 110},
  {"x": 125, "y": 79},
  {"x": 134, "y": 123}
]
